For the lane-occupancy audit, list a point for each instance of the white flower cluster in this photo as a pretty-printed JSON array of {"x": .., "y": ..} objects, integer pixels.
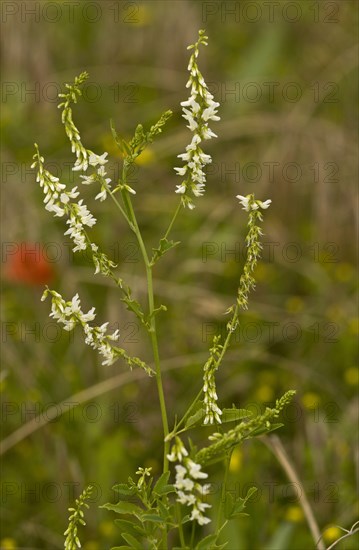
[
  {"x": 249, "y": 204},
  {"x": 70, "y": 314},
  {"x": 197, "y": 110},
  {"x": 58, "y": 201},
  {"x": 213, "y": 412},
  {"x": 189, "y": 490},
  {"x": 99, "y": 175}
]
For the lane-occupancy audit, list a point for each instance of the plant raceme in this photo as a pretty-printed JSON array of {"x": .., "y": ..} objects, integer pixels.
[{"x": 174, "y": 510}]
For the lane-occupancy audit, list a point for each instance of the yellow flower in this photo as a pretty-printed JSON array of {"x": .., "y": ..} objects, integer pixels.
[
  {"x": 107, "y": 528},
  {"x": 8, "y": 544},
  {"x": 146, "y": 157},
  {"x": 264, "y": 393},
  {"x": 351, "y": 376},
  {"x": 332, "y": 533},
  {"x": 236, "y": 460},
  {"x": 311, "y": 400},
  {"x": 294, "y": 514},
  {"x": 344, "y": 272}
]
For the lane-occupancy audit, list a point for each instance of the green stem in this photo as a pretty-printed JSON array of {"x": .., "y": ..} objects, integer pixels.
[
  {"x": 186, "y": 415},
  {"x": 131, "y": 218},
  {"x": 119, "y": 207},
  {"x": 180, "y": 528},
  {"x": 223, "y": 492},
  {"x": 218, "y": 362},
  {"x": 228, "y": 337},
  {"x": 192, "y": 534},
  {"x": 152, "y": 329},
  {"x": 173, "y": 219}
]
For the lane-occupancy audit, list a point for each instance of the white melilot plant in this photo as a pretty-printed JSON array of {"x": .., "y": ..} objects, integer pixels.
[{"x": 163, "y": 508}]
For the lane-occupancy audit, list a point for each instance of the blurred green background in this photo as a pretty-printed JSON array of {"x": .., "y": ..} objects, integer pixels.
[{"x": 285, "y": 75}]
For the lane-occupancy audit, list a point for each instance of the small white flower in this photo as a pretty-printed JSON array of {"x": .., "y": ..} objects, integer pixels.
[
  {"x": 255, "y": 204},
  {"x": 94, "y": 159},
  {"x": 195, "y": 470},
  {"x": 181, "y": 171},
  {"x": 52, "y": 207},
  {"x": 101, "y": 196},
  {"x": 265, "y": 204},
  {"x": 244, "y": 201},
  {"x": 88, "y": 180},
  {"x": 181, "y": 189}
]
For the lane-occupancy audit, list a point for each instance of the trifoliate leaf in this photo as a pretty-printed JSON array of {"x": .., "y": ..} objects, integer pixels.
[{"x": 164, "y": 246}]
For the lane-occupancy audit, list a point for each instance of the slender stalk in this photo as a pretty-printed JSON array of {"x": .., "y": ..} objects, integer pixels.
[
  {"x": 228, "y": 337},
  {"x": 131, "y": 218},
  {"x": 192, "y": 535},
  {"x": 152, "y": 329},
  {"x": 223, "y": 492},
  {"x": 218, "y": 362},
  {"x": 120, "y": 208},
  {"x": 186, "y": 415},
  {"x": 173, "y": 219},
  {"x": 180, "y": 528}
]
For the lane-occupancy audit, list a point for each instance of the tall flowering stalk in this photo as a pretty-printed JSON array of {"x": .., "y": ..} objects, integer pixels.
[
  {"x": 247, "y": 282},
  {"x": 157, "y": 506},
  {"x": 198, "y": 109}
]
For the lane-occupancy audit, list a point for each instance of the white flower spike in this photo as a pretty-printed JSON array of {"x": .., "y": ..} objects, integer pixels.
[{"x": 198, "y": 109}]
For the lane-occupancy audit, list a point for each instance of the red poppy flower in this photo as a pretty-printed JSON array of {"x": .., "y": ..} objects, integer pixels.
[{"x": 27, "y": 263}]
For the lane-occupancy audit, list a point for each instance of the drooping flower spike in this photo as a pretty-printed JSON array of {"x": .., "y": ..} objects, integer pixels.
[
  {"x": 70, "y": 315},
  {"x": 84, "y": 157}
]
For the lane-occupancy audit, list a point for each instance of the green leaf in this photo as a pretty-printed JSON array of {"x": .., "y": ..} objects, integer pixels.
[
  {"x": 234, "y": 414},
  {"x": 186, "y": 519},
  {"x": 195, "y": 418},
  {"x": 228, "y": 505},
  {"x": 125, "y": 489},
  {"x": 126, "y": 147},
  {"x": 135, "y": 307},
  {"x": 234, "y": 508},
  {"x": 127, "y": 526},
  {"x": 115, "y": 135},
  {"x": 121, "y": 548},
  {"x": 132, "y": 541},
  {"x": 163, "y": 511},
  {"x": 154, "y": 312},
  {"x": 208, "y": 543},
  {"x": 152, "y": 517},
  {"x": 164, "y": 246},
  {"x": 123, "y": 508},
  {"x": 161, "y": 483}
]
